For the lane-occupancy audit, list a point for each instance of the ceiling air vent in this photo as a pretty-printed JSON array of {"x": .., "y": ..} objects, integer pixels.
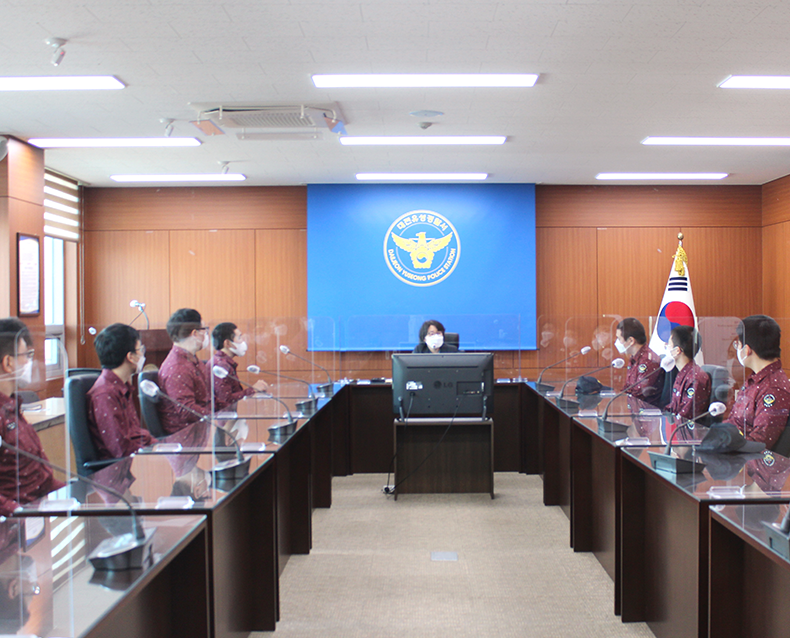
[{"x": 269, "y": 116}]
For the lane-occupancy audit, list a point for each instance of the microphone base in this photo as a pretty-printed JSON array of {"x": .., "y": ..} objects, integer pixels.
[
  {"x": 778, "y": 540},
  {"x": 232, "y": 470},
  {"x": 283, "y": 429},
  {"x": 325, "y": 390},
  {"x": 123, "y": 552},
  {"x": 568, "y": 405},
  {"x": 605, "y": 426},
  {"x": 307, "y": 407},
  {"x": 674, "y": 465},
  {"x": 543, "y": 388}
]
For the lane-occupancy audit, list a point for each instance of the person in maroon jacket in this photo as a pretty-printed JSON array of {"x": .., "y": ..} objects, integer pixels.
[
  {"x": 228, "y": 344},
  {"x": 761, "y": 408},
  {"x": 22, "y": 479},
  {"x": 631, "y": 340},
  {"x": 112, "y": 418},
  {"x": 691, "y": 392},
  {"x": 182, "y": 375}
]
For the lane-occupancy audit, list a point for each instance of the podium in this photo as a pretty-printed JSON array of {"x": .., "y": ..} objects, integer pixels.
[{"x": 444, "y": 455}]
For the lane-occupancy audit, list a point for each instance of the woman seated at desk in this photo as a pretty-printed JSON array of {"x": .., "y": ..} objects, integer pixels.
[{"x": 432, "y": 339}]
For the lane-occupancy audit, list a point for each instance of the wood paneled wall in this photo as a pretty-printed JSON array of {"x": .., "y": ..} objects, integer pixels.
[
  {"x": 239, "y": 254},
  {"x": 776, "y": 256},
  {"x": 22, "y": 211}
]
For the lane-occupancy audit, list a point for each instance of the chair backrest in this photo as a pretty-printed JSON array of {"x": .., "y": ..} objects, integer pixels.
[
  {"x": 782, "y": 445},
  {"x": 74, "y": 371},
  {"x": 719, "y": 382},
  {"x": 75, "y": 396},
  {"x": 666, "y": 390},
  {"x": 26, "y": 396},
  {"x": 148, "y": 404},
  {"x": 451, "y": 338}
]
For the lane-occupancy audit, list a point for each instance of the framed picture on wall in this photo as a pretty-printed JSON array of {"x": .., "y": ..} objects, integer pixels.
[{"x": 28, "y": 259}]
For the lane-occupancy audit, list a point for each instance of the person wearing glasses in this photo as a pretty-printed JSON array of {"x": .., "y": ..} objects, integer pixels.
[
  {"x": 761, "y": 408},
  {"x": 182, "y": 375},
  {"x": 112, "y": 418},
  {"x": 22, "y": 479}
]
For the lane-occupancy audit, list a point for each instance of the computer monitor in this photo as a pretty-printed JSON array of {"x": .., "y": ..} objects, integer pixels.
[{"x": 460, "y": 384}]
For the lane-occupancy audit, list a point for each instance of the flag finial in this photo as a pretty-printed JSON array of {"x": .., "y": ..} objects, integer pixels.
[{"x": 680, "y": 258}]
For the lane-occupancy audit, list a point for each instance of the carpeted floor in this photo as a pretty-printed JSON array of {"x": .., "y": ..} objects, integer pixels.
[{"x": 370, "y": 572}]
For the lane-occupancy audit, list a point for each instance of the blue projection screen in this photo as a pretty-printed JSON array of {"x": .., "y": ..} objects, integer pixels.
[{"x": 381, "y": 259}]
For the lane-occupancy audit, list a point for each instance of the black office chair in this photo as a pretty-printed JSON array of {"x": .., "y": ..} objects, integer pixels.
[
  {"x": 782, "y": 445},
  {"x": 70, "y": 372},
  {"x": 451, "y": 339},
  {"x": 719, "y": 382},
  {"x": 85, "y": 452},
  {"x": 666, "y": 391},
  {"x": 26, "y": 396},
  {"x": 148, "y": 404}
]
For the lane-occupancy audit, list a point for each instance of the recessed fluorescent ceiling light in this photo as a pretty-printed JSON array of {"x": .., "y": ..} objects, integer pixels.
[
  {"x": 661, "y": 176},
  {"x": 717, "y": 141},
  {"x": 109, "y": 142},
  {"x": 61, "y": 83},
  {"x": 424, "y": 80},
  {"x": 421, "y": 176},
  {"x": 209, "y": 177},
  {"x": 418, "y": 140},
  {"x": 756, "y": 82}
]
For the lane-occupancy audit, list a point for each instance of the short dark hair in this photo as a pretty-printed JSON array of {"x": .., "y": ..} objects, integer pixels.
[
  {"x": 631, "y": 327},
  {"x": 762, "y": 334},
  {"x": 687, "y": 339},
  {"x": 114, "y": 343},
  {"x": 221, "y": 332},
  {"x": 428, "y": 324},
  {"x": 182, "y": 322},
  {"x": 11, "y": 331}
]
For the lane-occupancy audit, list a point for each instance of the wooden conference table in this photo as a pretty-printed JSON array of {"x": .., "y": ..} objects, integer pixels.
[
  {"x": 649, "y": 531},
  {"x": 43, "y": 560},
  {"x": 253, "y": 523}
]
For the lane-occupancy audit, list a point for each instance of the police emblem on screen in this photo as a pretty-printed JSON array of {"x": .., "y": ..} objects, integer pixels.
[{"x": 422, "y": 248}]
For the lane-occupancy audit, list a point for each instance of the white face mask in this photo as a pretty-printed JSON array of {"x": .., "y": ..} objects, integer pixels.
[
  {"x": 25, "y": 374},
  {"x": 434, "y": 341},
  {"x": 239, "y": 349},
  {"x": 620, "y": 347},
  {"x": 140, "y": 364},
  {"x": 204, "y": 345},
  {"x": 741, "y": 359}
]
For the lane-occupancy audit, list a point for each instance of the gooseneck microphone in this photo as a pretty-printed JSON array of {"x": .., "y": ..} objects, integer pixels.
[
  {"x": 221, "y": 373},
  {"x": 584, "y": 350},
  {"x": 665, "y": 461},
  {"x": 127, "y": 551},
  {"x": 667, "y": 363},
  {"x": 140, "y": 305},
  {"x": 226, "y": 470},
  {"x": 306, "y": 406},
  {"x": 616, "y": 364},
  {"x": 325, "y": 389}
]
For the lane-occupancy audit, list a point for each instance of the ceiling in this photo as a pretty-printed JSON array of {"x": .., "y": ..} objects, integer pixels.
[{"x": 611, "y": 73}]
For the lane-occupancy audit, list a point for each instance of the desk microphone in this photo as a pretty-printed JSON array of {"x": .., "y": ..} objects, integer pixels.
[
  {"x": 584, "y": 350},
  {"x": 307, "y": 406},
  {"x": 616, "y": 364},
  {"x": 665, "y": 461},
  {"x": 667, "y": 363},
  {"x": 140, "y": 305},
  {"x": 221, "y": 373},
  {"x": 325, "y": 389},
  {"x": 127, "y": 551},
  {"x": 227, "y": 470}
]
